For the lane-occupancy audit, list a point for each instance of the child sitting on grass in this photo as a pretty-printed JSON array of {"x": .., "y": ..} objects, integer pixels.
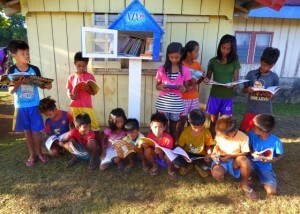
[
  {"x": 197, "y": 141},
  {"x": 260, "y": 139},
  {"x": 155, "y": 155},
  {"x": 115, "y": 132},
  {"x": 83, "y": 138},
  {"x": 232, "y": 146},
  {"x": 58, "y": 122},
  {"x": 132, "y": 128}
]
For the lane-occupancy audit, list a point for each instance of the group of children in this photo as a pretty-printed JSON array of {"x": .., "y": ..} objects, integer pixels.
[{"x": 218, "y": 149}]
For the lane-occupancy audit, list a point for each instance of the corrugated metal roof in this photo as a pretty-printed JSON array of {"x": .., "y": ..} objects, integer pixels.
[
  {"x": 292, "y": 2},
  {"x": 286, "y": 12}
]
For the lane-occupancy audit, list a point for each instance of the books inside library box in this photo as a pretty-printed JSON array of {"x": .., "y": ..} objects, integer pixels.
[
  {"x": 92, "y": 85},
  {"x": 137, "y": 44},
  {"x": 31, "y": 79}
]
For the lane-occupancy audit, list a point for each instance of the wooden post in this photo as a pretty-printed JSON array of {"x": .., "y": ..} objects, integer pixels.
[{"x": 135, "y": 84}]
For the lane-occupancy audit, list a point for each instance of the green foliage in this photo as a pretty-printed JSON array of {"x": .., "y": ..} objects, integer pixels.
[{"x": 11, "y": 28}]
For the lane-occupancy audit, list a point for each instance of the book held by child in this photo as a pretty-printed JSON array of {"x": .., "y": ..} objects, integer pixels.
[
  {"x": 31, "y": 79},
  {"x": 172, "y": 154},
  {"x": 211, "y": 82},
  {"x": 271, "y": 89},
  {"x": 266, "y": 154},
  {"x": 93, "y": 86}
]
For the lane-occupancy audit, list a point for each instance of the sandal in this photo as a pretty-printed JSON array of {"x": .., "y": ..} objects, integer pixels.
[
  {"x": 153, "y": 171},
  {"x": 71, "y": 162},
  {"x": 146, "y": 170},
  {"x": 249, "y": 193},
  {"x": 201, "y": 171},
  {"x": 43, "y": 158},
  {"x": 185, "y": 170},
  {"x": 172, "y": 175},
  {"x": 30, "y": 162}
]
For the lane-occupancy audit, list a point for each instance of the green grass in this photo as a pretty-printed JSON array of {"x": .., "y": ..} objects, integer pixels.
[{"x": 51, "y": 188}]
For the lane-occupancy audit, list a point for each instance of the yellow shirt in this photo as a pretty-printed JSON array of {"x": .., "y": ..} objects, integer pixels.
[
  {"x": 238, "y": 144},
  {"x": 195, "y": 144}
]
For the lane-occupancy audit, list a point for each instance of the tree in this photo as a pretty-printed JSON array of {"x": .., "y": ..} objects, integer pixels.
[{"x": 11, "y": 28}]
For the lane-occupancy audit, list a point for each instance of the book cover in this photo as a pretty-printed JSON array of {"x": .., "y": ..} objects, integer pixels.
[
  {"x": 91, "y": 84},
  {"x": 266, "y": 154},
  {"x": 211, "y": 82},
  {"x": 171, "y": 154},
  {"x": 196, "y": 74},
  {"x": 149, "y": 45},
  {"x": 123, "y": 148},
  {"x": 271, "y": 89},
  {"x": 31, "y": 79}
]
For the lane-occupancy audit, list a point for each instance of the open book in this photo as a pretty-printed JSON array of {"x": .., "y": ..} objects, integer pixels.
[
  {"x": 171, "y": 154},
  {"x": 93, "y": 86},
  {"x": 31, "y": 79},
  {"x": 211, "y": 82},
  {"x": 266, "y": 154},
  {"x": 53, "y": 138},
  {"x": 123, "y": 148},
  {"x": 271, "y": 89},
  {"x": 196, "y": 74}
]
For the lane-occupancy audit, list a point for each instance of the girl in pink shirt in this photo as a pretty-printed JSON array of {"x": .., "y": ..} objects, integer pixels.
[{"x": 172, "y": 79}]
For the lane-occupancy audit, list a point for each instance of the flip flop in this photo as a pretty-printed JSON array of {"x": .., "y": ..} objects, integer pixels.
[
  {"x": 154, "y": 171},
  {"x": 172, "y": 175},
  {"x": 30, "y": 162},
  {"x": 43, "y": 158},
  {"x": 249, "y": 193},
  {"x": 71, "y": 162}
]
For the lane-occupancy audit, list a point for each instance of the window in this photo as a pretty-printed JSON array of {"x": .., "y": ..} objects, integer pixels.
[{"x": 250, "y": 45}]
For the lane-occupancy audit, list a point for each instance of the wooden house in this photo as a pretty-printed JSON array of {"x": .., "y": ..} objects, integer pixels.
[
  {"x": 265, "y": 27},
  {"x": 54, "y": 36}
]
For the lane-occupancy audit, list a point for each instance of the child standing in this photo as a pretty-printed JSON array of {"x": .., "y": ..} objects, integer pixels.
[
  {"x": 260, "y": 139},
  {"x": 81, "y": 100},
  {"x": 260, "y": 102},
  {"x": 132, "y": 128},
  {"x": 232, "y": 147},
  {"x": 197, "y": 141},
  {"x": 83, "y": 138},
  {"x": 158, "y": 126},
  {"x": 171, "y": 79},
  {"x": 224, "y": 68},
  {"x": 58, "y": 122},
  {"x": 26, "y": 101},
  {"x": 116, "y": 121},
  {"x": 190, "y": 96}
]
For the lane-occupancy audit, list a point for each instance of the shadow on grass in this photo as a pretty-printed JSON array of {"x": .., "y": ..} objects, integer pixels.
[{"x": 53, "y": 188}]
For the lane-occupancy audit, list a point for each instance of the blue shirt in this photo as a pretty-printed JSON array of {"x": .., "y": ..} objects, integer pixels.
[
  {"x": 26, "y": 95},
  {"x": 257, "y": 144}
]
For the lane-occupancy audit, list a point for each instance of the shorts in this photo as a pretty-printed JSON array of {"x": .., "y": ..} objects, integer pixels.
[
  {"x": 247, "y": 124},
  {"x": 90, "y": 112},
  {"x": 265, "y": 176},
  {"x": 172, "y": 116},
  {"x": 236, "y": 173},
  {"x": 28, "y": 119},
  {"x": 81, "y": 149},
  {"x": 219, "y": 105},
  {"x": 189, "y": 105}
]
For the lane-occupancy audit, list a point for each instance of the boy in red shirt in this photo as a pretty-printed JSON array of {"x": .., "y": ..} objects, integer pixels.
[{"x": 83, "y": 138}]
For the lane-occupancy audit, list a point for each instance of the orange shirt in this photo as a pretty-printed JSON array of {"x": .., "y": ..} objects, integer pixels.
[{"x": 192, "y": 94}]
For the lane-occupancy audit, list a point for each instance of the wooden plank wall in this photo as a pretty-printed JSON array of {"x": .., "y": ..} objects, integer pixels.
[
  {"x": 54, "y": 37},
  {"x": 285, "y": 34}
]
